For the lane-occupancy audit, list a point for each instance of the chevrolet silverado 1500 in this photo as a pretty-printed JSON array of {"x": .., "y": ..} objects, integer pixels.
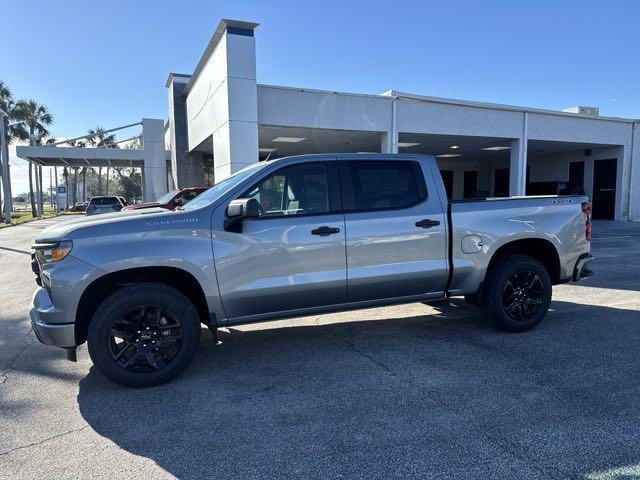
[{"x": 290, "y": 237}]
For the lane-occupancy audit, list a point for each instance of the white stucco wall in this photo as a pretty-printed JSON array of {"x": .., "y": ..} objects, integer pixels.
[{"x": 316, "y": 109}]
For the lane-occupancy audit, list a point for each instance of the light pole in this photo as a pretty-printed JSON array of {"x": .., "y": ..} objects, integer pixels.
[{"x": 6, "y": 175}]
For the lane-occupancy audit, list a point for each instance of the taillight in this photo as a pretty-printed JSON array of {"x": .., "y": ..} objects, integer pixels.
[{"x": 586, "y": 210}]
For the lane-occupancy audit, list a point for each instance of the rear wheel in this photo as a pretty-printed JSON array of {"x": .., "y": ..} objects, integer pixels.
[
  {"x": 518, "y": 293},
  {"x": 143, "y": 335}
]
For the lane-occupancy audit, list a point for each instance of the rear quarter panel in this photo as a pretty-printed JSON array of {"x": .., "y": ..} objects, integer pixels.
[{"x": 498, "y": 222}]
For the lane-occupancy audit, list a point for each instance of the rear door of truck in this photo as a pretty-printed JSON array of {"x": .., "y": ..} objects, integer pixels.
[{"x": 395, "y": 230}]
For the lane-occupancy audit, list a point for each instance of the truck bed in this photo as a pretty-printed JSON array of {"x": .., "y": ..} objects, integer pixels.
[{"x": 479, "y": 227}]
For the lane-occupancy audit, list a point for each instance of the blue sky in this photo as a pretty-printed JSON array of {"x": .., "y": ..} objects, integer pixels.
[{"x": 105, "y": 63}]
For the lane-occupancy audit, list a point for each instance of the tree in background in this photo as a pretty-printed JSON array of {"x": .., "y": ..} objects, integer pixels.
[
  {"x": 129, "y": 183},
  {"x": 100, "y": 138},
  {"x": 65, "y": 176},
  {"x": 74, "y": 193},
  {"x": 36, "y": 119},
  {"x": 13, "y": 131}
]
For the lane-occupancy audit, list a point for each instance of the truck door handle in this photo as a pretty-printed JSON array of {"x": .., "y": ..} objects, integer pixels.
[
  {"x": 427, "y": 223},
  {"x": 325, "y": 231}
]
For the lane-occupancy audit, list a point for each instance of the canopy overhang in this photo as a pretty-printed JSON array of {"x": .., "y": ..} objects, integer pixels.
[{"x": 49, "y": 156}]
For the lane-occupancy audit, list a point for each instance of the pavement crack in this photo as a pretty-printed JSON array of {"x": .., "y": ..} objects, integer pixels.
[
  {"x": 5, "y": 374},
  {"x": 40, "y": 442},
  {"x": 366, "y": 355}
]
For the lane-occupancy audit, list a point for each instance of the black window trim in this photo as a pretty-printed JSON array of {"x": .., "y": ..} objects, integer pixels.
[
  {"x": 333, "y": 183},
  {"x": 346, "y": 185}
]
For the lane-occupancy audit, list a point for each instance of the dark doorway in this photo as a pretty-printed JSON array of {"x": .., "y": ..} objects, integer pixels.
[
  {"x": 604, "y": 188},
  {"x": 501, "y": 182},
  {"x": 576, "y": 176},
  {"x": 470, "y": 183},
  {"x": 447, "y": 178}
]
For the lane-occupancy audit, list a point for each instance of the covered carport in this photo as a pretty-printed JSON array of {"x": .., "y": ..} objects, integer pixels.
[
  {"x": 594, "y": 169},
  {"x": 151, "y": 158}
]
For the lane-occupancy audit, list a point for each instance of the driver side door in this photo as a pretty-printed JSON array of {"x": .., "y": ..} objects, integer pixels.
[{"x": 292, "y": 256}]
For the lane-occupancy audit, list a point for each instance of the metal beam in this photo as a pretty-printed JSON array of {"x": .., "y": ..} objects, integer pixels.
[{"x": 89, "y": 135}]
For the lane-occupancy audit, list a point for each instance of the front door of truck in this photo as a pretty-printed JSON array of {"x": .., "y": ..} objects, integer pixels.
[
  {"x": 293, "y": 255},
  {"x": 395, "y": 230}
]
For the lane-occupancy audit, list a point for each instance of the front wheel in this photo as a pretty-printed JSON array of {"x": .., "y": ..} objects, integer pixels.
[
  {"x": 518, "y": 293},
  {"x": 143, "y": 334}
]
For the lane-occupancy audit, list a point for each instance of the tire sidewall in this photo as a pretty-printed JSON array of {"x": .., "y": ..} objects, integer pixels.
[
  {"x": 498, "y": 277},
  {"x": 127, "y": 297}
]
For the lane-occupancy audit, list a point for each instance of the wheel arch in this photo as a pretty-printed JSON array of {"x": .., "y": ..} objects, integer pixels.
[
  {"x": 98, "y": 290},
  {"x": 541, "y": 249}
]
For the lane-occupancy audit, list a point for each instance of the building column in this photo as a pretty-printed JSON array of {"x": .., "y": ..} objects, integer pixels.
[
  {"x": 389, "y": 139},
  {"x": 518, "y": 162},
  {"x": 155, "y": 161},
  {"x": 389, "y": 142},
  {"x": 235, "y": 138},
  {"x": 623, "y": 178},
  {"x": 186, "y": 168},
  {"x": 634, "y": 184}
]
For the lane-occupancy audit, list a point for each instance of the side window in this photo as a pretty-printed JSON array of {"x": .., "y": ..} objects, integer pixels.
[
  {"x": 381, "y": 185},
  {"x": 295, "y": 190}
]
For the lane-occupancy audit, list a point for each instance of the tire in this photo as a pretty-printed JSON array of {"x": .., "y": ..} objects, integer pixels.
[
  {"x": 151, "y": 314},
  {"x": 507, "y": 301}
]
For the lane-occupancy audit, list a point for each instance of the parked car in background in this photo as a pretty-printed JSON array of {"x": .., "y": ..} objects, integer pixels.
[
  {"x": 297, "y": 236},
  {"x": 171, "y": 200},
  {"x": 98, "y": 205},
  {"x": 79, "y": 207},
  {"x": 123, "y": 201}
]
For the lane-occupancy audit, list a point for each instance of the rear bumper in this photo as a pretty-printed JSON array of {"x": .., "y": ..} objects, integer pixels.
[
  {"x": 582, "y": 270},
  {"x": 41, "y": 312}
]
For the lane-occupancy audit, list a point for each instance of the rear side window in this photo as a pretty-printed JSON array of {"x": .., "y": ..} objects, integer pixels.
[{"x": 382, "y": 185}]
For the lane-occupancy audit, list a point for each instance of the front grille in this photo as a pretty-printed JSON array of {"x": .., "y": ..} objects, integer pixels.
[{"x": 35, "y": 267}]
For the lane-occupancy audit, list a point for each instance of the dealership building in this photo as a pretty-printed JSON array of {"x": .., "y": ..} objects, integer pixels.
[{"x": 220, "y": 119}]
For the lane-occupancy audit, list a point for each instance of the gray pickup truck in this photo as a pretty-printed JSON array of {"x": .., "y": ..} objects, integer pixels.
[{"x": 290, "y": 237}]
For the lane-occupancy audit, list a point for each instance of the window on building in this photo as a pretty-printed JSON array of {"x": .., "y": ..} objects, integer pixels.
[
  {"x": 380, "y": 185},
  {"x": 296, "y": 190}
]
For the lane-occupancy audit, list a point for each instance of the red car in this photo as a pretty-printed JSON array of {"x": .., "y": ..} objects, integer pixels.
[{"x": 170, "y": 200}]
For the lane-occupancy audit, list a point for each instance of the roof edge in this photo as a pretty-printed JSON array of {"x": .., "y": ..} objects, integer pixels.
[{"x": 213, "y": 43}]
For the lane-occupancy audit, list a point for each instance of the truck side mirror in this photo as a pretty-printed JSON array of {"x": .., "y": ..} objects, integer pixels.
[{"x": 239, "y": 209}]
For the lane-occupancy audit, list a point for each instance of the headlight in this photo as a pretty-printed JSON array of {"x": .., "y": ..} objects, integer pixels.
[{"x": 53, "y": 252}]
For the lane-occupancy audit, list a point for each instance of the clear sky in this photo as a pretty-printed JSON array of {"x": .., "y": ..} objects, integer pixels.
[{"x": 105, "y": 63}]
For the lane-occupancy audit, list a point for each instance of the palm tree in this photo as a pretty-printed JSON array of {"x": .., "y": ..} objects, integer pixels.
[
  {"x": 100, "y": 138},
  {"x": 13, "y": 131},
  {"x": 36, "y": 118}
]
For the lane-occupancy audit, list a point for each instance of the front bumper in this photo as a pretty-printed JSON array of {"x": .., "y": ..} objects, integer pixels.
[
  {"x": 42, "y": 312},
  {"x": 581, "y": 270}
]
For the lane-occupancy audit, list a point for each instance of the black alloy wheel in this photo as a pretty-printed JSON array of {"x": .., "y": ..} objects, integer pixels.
[
  {"x": 523, "y": 295},
  {"x": 145, "y": 338}
]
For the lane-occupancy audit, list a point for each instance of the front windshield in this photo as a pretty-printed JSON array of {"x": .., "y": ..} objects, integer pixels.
[{"x": 222, "y": 187}]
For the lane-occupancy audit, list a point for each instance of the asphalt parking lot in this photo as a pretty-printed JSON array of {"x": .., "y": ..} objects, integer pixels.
[{"x": 408, "y": 391}]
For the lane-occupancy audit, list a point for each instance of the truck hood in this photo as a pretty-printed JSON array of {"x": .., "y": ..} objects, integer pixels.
[
  {"x": 65, "y": 229},
  {"x": 141, "y": 206}
]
